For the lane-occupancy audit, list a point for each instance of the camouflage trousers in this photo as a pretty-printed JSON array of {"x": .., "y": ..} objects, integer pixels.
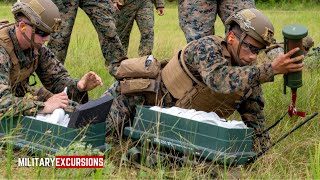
[
  {"x": 123, "y": 110},
  {"x": 197, "y": 18},
  {"x": 101, "y": 15},
  {"x": 142, "y": 13}
]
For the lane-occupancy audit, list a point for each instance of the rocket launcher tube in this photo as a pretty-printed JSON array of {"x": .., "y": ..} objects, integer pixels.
[{"x": 293, "y": 35}]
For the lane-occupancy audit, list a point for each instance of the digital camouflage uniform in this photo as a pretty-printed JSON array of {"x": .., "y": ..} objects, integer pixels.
[
  {"x": 197, "y": 18},
  {"x": 141, "y": 12},
  {"x": 205, "y": 61},
  {"x": 54, "y": 77},
  {"x": 274, "y": 51},
  {"x": 101, "y": 15}
]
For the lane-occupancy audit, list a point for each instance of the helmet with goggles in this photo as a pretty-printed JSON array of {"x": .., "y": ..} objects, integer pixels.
[
  {"x": 255, "y": 24},
  {"x": 307, "y": 42},
  {"x": 43, "y": 14}
]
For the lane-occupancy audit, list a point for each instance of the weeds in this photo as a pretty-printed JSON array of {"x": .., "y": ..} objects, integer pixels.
[{"x": 315, "y": 162}]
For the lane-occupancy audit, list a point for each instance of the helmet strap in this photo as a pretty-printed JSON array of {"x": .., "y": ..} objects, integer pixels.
[
  {"x": 236, "y": 55},
  {"x": 243, "y": 35},
  {"x": 31, "y": 41},
  {"x": 32, "y": 36}
]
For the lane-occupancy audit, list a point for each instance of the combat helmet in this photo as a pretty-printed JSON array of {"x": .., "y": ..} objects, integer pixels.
[
  {"x": 307, "y": 42},
  {"x": 255, "y": 24},
  {"x": 43, "y": 14}
]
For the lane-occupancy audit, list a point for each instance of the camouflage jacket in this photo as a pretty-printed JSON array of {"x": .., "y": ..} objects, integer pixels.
[
  {"x": 53, "y": 75},
  {"x": 210, "y": 62},
  {"x": 157, "y": 3}
]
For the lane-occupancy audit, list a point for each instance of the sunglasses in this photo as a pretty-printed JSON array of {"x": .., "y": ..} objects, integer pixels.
[
  {"x": 39, "y": 31},
  {"x": 253, "y": 49},
  {"x": 42, "y": 33}
]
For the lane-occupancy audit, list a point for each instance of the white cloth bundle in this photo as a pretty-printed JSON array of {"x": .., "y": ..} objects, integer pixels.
[
  {"x": 201, "y": 116},
  {"x": 58, "y": 116}
]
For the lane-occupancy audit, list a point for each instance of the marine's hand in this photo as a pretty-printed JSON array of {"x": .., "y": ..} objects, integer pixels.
[
  {"x": 116, "y": 5},
  {"x": 89, "y": 81},
  {"x": 284, "y": 64},
  {"x": 160, "y": 11},
  {"x": 54, "y": 102}
]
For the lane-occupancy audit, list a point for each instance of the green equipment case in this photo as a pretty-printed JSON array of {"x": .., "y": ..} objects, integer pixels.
[
  {"x": 39, "y": 136},
  {"x": 189, "y": 137},
  {"x": 87, "y": 124}
]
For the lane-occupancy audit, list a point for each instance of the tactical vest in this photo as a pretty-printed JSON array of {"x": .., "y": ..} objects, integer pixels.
[
  {"x": 17, "y": 74},
  {"x": 194, "y": 94}
]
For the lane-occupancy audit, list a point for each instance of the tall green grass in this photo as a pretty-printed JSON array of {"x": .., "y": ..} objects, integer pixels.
[
  {"x": 291, "y": 159},
  {"x": 315, "y": 162}
]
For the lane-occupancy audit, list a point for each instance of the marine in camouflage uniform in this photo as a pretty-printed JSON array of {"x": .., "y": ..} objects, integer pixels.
[
  {"x": 50, "y": 71},
  {"x": 275, "y": 50},
  {"x": 22, "y": 53},
  {"x": 142, "y": 13},
  {"x": 197, "y": 18},
  {"x": 215, "y": 62},
  {"x": 101, "y": 15}
]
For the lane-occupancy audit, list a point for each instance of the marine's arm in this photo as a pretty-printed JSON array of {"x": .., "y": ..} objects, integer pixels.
[
  {"x": 11, "y": 105},
  {"x": 55, "y": 77},
  {"x": 116, "y": 4},
  {"x": 216, "y": 72}
]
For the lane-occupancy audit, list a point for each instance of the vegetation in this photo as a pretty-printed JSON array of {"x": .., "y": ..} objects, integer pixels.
[{"x": 297, "y": 157}]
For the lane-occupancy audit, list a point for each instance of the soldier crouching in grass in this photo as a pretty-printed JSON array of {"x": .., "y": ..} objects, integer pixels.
[
  {"x": 22, "y": 52},
  {"x": 215, "y": 75}
]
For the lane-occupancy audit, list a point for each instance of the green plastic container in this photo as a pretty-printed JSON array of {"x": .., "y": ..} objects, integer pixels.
[
  {"x": 210, "y": 142},
  {"x": 39, "y": 136}
]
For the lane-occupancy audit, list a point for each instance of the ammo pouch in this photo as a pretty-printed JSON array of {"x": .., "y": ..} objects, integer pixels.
[
  {"x": 139, "y": 75},
  {"x": 142, "y": 67},
  {"x": 138, "y": 85}
]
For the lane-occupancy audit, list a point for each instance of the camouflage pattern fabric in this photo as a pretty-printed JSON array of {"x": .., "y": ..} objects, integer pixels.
[
  {"x": 142, "y": 13},
  {"x": 101, "y": 15},
  {"x": 122, "y": 108},
  {"x": 54, "y": 77},
  {"x": 197, "y": 18},
  {"x": 274, "y": 52},
  {"x": 307, "y": 42},
  {"x": 205, "y": 60}
]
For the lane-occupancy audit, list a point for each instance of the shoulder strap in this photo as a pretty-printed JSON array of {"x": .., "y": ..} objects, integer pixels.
[{"x": 186, "y": 68}]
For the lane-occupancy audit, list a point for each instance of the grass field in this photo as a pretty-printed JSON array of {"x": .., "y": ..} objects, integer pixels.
[{"x": 297, "y": 157}]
